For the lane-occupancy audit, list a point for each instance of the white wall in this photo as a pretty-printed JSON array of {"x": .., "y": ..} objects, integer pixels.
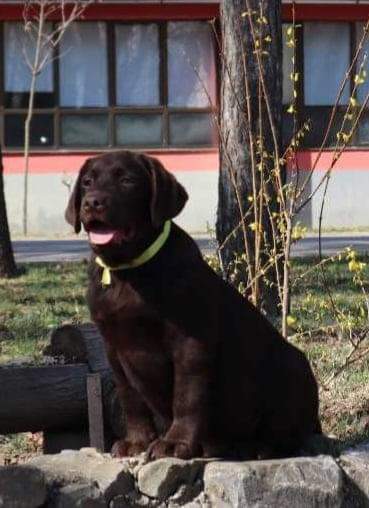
[
  {"x": 48, "y": 198},
  {"x": 347, "y": 205}
]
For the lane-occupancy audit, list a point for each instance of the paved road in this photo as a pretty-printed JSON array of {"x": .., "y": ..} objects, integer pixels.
[
  {"x": 75, "y": 250},
  {"x": 331, "y": 244}
]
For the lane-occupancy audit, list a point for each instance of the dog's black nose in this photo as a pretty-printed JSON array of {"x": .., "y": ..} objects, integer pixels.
[{"x": 94, "y": 203}]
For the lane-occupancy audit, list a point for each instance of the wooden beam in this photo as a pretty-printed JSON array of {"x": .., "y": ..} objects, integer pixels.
[{"x": 95, "y": 412}]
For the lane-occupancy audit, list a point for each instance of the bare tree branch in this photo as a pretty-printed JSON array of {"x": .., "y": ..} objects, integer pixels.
[{"x": 44, "y": 36}]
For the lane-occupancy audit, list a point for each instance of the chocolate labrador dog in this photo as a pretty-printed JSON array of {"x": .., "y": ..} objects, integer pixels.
[{"x": 199, "y": 371}]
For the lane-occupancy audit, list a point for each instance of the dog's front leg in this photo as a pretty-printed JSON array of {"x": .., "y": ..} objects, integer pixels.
[
  {"x": 140, "y": 430},
  {"x": 192, "y": 380}
]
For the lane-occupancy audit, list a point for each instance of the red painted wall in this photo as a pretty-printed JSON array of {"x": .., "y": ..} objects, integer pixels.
[
  {"x": 106, "y": 11},
  {"x": 130, "y": 12},
  {"x": 70, "y": 163},
  {"x": 327, "y": 12},
  {"x": 181, "y": 161}
]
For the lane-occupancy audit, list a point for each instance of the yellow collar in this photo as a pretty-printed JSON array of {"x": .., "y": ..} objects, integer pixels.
[{"x": 143, "y": 258}]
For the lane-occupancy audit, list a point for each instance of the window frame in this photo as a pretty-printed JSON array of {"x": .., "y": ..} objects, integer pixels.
[
  {"x": 112, "y": 110},
  {"x": 300, "y": 102}
]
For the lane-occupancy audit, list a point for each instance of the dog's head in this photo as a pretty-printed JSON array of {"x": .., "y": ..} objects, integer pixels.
[{"x": 121, "y": 198}]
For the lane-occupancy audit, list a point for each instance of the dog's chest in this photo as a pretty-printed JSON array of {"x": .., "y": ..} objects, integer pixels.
[
  {"x": 119, "y": 299},
  {"x": 134, "y": 303}
]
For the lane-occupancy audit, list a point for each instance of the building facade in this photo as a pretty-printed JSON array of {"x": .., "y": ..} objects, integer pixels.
[{"x": 144, "y": 76}]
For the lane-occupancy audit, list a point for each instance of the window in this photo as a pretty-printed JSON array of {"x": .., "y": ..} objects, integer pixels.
[
  {"x": 191, "y": 65},
  {"x": 325, "y": 51},
  {"x": 138, "y": 65},
  {"x": 147, "y": 85},
  {"x": 17, "y": 74},
  {"x": 83, "y": 66},
  {"x": 326, "y": 60},
  {"x": 287, "y": 68},
  {"x": 363, "y": 90}
]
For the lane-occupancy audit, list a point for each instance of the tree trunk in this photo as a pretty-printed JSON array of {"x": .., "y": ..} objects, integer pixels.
[
  {"x": 7, "y": 263},
  {"x": 245, "y": 119}
]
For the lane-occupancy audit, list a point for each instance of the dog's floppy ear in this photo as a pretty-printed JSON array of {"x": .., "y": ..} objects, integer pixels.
[
  {"x": 74, "y": 203},
  {"x": 168, "y": 197}
]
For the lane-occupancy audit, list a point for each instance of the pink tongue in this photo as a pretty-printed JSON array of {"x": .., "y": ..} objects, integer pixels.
[{"x": 101, "y": 238}]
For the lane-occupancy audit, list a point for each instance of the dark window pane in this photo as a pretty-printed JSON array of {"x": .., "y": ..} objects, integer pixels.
[
  {"x": 139, "y": 130},
  {"x": 84, "y": 130},
  {"x": 319, "y": 118},
  {"x": 287, "y": 127},
  {"x": 363, "y": 130},
  {"x": 20, "y": 100},
  {"x": 42, "y": 130},
  {"x": 191, "y": 129}
]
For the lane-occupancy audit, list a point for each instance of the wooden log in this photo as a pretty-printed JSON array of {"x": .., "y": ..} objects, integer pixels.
[
  {"x": 54, "y": 398},
  {"x": 95, "y": 347},
  {"x": 39, "y": 398},
  {"x": 87, "y": 338},
  {"x": 86, "y": 341}
]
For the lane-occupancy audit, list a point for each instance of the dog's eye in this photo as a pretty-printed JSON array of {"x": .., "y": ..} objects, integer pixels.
[
  {"x": 87, "y": 181},
  {"x": 124, "y": 180}
]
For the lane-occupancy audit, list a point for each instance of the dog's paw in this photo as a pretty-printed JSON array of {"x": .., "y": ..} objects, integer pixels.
[
  {"x": 169, "y": 448},
  {"x": 126, "y": 448}
]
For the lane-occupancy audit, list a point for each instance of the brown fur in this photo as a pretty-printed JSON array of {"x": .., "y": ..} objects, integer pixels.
[{"x": 186, "y": 349}]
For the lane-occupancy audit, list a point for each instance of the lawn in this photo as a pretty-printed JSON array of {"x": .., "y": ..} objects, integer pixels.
[
  {"x": 30, "y": 307},
  {"x": 344, "y": 399},
  {"x": 50, "y": 294},
  {"x": 36, "y": 302}
]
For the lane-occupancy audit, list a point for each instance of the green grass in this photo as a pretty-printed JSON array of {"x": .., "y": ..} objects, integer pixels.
[
  {"x": 322, "y": 330},
  {"x": 49, "y": 294},
  {"x": 310, "y": 302},
  {"x": 34, "y": 303}
]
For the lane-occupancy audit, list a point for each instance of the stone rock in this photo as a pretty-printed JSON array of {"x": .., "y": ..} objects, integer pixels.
[
  {"x": 133, "y": 499},
  {"x": 87, "y": 466},
  {"x": 89, "y": 479},
  {"x": 294, "y": 483},
  {"x": 119, "y": 502},
  {"x": 79, "y": 496},
  {"x": 199, "y": 502},
  {"x": 355, "y": 464},
  {"x": 22, "y": 487},
  {"x": 112, "y": 478},
  {"x": 162, "y": 478}
]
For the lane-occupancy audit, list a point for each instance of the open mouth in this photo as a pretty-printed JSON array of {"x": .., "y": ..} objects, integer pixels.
[{"x": 101, "y": 234}]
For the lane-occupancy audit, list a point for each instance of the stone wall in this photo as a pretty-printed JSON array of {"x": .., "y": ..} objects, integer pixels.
[{"x": 88, "y": 479}]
